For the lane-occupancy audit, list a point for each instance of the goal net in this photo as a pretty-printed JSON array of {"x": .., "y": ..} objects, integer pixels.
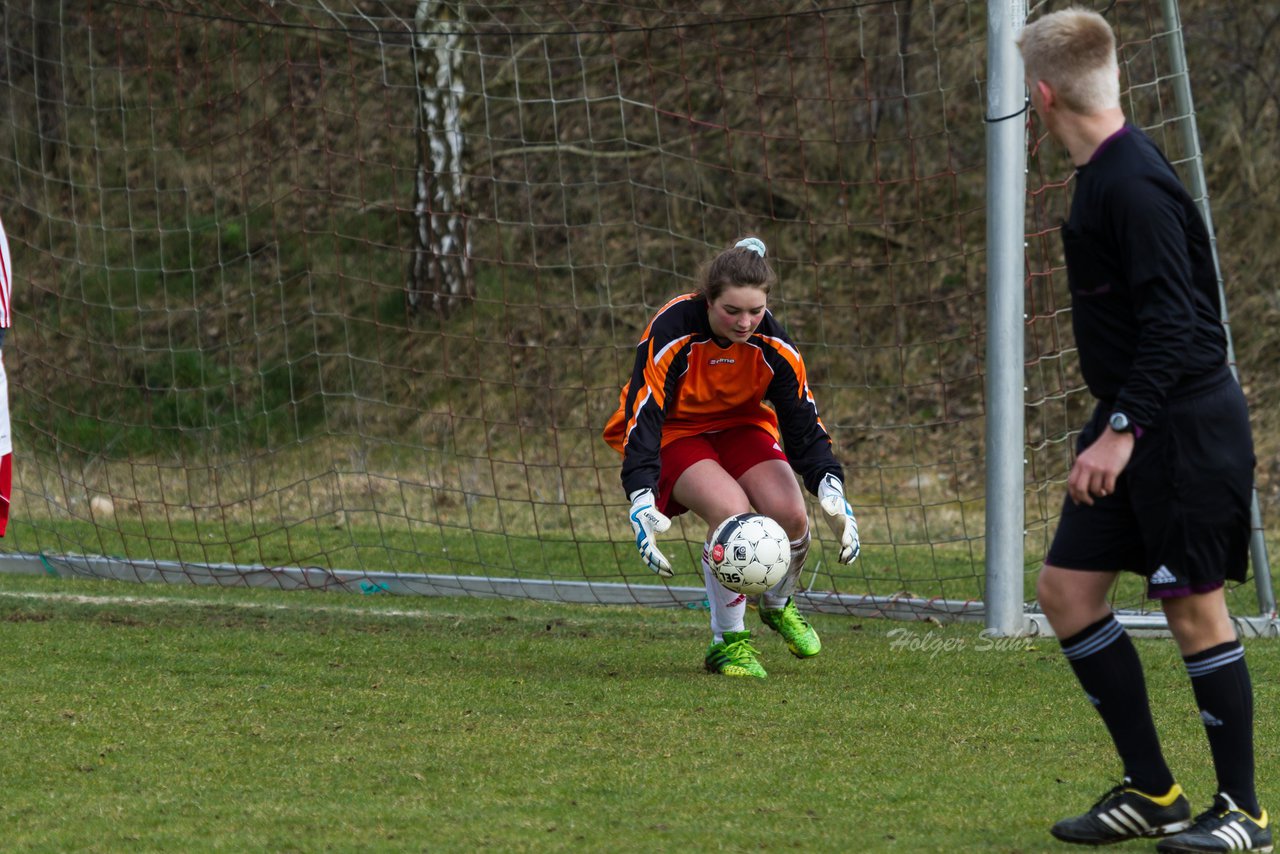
[{"x": 340, "y": 295}]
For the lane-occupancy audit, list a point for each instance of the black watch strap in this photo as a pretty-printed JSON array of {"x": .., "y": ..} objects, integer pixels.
[{"x": 1122, "y": 423}]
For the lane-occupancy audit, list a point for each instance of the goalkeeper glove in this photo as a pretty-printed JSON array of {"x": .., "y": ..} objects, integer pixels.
[
  {"x": 646, "y": 521},
  {"x": 839, "y": 517}
]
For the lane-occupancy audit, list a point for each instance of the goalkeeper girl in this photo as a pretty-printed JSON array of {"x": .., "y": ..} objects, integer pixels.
[{"x": 695, "y": 433}]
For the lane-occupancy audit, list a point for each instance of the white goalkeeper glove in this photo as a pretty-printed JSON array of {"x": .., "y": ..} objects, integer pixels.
[
  {"x": 647, "y": 521},
  {"x": 839, "y": 517}
]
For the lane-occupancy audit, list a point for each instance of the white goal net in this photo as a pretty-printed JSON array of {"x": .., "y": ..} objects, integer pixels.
[{"x": 340, "y": 294}]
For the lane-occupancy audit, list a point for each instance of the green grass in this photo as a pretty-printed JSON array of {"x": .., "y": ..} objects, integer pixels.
[{"x": 156, "y": 718}]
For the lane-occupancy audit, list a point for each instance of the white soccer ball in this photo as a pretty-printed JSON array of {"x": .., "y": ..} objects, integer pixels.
[{"x": 750, "y": 553}]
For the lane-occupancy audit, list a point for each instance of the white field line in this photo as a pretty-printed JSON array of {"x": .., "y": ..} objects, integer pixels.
[{"x": 202, "y": 603}]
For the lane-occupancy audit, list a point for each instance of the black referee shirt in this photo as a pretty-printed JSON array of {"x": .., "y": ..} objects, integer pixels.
[{"x": 1144, "y": 293}]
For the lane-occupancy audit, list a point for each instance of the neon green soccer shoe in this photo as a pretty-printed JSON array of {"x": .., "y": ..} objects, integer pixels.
[
  {"x": 801, "y": 639},
  {"x": 735, "y": 656}
]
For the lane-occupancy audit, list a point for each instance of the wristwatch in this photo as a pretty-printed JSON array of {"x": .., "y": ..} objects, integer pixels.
[{"x": 1121, "y": 423}]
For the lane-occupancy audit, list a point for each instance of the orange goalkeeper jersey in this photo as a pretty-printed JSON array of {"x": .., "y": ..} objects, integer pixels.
[{"x": 686, "y": 383}]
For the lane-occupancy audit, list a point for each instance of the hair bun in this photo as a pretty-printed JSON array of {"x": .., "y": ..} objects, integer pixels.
[{"x": 755, "y": 244}]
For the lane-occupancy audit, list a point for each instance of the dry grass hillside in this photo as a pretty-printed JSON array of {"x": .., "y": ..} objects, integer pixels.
[{"x": 211, "y": 207}]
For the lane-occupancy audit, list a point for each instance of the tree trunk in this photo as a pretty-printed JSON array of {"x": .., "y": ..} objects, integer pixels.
[
  {"x": 440, "y": 269},
  {"x": 48, "y": 79}
]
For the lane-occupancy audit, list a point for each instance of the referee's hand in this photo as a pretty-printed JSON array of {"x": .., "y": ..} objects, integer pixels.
[{"x": 1098, "y": 467}]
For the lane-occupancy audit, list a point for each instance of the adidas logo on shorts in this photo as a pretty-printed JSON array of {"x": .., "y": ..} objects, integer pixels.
[{"x": 1163, "y": 576}]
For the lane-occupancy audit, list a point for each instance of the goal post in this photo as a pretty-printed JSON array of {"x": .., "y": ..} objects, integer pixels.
[
  {"x": 1180, "y": 79},
  {"x": 312, "y": 296},
  {"x": 1005, "y": 119}
]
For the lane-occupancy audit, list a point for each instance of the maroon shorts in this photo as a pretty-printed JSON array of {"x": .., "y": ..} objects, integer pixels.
[
  {"x": 737, "y": 450},
  {"x": 6, "y": 488}
]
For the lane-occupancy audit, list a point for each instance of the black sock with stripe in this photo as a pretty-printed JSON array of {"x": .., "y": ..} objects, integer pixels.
[
  {"x": 1224, "y": 693},
  {"x": 1107, "y": 665}
]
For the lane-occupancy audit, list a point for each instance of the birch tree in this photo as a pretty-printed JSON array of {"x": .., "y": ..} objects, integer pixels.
[{"x": 440, "y": 269}]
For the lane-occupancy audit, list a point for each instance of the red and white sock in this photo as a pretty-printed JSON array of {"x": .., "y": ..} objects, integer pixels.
[{"x": 728, "y": 607}]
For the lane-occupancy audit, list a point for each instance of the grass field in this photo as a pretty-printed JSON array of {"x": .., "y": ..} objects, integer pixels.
[{"x": 149, "y": 718}]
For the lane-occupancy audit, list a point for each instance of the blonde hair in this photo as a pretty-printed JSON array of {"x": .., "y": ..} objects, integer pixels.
[
  {"x": 1074, "y": 51},
  {"x": 742, "y": 264}
]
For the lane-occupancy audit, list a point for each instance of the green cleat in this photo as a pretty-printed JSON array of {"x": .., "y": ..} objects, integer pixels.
[
  {"x": 801, "y": 639},
  {"x": 735, "y": 656}
]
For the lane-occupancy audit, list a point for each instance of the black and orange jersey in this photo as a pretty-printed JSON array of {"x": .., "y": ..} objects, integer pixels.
[{"x": 685, "y": 383}]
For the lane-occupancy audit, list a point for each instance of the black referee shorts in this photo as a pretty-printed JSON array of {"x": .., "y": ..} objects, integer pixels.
[{"x": 1180, "y": 513}]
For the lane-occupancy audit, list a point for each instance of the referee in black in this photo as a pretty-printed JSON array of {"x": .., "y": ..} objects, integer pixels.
[{"x": 1163, "y": 475}]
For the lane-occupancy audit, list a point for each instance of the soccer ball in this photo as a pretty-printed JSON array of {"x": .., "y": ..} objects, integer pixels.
[{"x": 750, "y": 553}]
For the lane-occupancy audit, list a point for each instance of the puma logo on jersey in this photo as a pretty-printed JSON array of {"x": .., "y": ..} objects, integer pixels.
[{"x": 721, "y": 362}]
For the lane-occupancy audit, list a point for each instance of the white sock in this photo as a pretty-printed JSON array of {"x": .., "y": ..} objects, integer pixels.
[
  {"x": 776, "y": 597},
  {"x": 728, "y": 607}
]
